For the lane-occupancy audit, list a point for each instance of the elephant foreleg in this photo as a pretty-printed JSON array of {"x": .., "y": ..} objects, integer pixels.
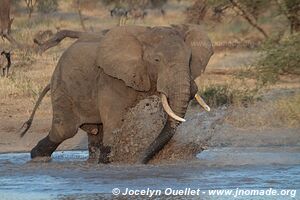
[
  {"x": 97, "y": 151},
  {"x": 160, "y": 141}
]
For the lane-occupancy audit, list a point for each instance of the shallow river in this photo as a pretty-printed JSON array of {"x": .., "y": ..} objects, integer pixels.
[{"x": 68, "y": 176}]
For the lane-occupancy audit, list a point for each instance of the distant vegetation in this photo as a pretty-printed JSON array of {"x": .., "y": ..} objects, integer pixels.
[
  {"x": 217, "y": 95},
  {"x": 253, "y": 12},
  {"x": 47, "y": 6},
  {"x": 279, "y": 58},
  {"x": 277, "y": 25},
  {"x": 269, "y": 27}
]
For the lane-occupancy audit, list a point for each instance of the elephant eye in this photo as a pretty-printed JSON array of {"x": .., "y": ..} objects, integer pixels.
[{"x": 157, "y": 59}]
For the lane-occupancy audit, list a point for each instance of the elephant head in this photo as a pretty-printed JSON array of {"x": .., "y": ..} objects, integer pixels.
[{"x": 164, "y": 59}]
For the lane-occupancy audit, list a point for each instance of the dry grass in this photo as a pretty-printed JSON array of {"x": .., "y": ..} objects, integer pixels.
[
  {"x": 288, "y": 110},
  {"x": 283, "y": 112},
  {"x": 250, "y": 107}
]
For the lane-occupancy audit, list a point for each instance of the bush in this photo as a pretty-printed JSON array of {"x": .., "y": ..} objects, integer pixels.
[
  {"x": 85, "y": 4},
  {"x": 158, "y": 3},
  {"x": 47, "y": 6},
  {"x": 196, "y": 13},
  {"x": 219, "y": 95},
  {"x": 279, "y": 58}
]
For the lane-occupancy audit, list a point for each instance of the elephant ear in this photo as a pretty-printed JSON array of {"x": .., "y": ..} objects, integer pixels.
[
  {"x": 201, "y": 46},
  {"x": 120, "y": 56}
]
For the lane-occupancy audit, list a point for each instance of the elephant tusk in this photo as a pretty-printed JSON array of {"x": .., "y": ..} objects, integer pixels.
[
  {"x": 168, "y": 109},
  {"x": 202, "y": 102}
]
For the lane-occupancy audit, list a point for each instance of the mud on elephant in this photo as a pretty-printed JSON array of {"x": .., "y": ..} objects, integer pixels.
[{"x": 98, "y": 78}]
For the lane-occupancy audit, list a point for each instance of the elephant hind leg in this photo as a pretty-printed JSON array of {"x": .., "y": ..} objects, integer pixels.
[
  {"x": 97, "y": 151},
  {"x": 44, "y": 148},
  {"x": 64, "y": 126}
]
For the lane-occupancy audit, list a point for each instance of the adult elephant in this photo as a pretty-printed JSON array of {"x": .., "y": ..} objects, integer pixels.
[{"x": 97, "y": 80}]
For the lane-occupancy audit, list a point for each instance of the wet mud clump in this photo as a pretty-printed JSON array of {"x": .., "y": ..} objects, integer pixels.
[{"x": 141, "y": 126}]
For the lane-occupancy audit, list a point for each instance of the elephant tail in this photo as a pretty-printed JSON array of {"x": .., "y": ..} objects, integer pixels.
[{"x": 28, "y": 123}]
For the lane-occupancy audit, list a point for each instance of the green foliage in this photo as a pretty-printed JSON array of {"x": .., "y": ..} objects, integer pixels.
[
  {"x": 218, "y": 95},
  {"x": 254, "y": 11},
  {"x": 279, "y": 58},
  {"x": 291, "y": 9},
  {"x": 255, "y": 7},
  {"x": 158, "y": 3},
  {"x": 15, "y": 3},
  {"x": 217, "y": 2},
  {"x": 47, "y": 6},
  {"x": 292, "y": 6}
]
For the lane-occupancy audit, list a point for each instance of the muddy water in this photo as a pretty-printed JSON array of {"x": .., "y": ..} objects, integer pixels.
[{"x": 68, "y": 176}]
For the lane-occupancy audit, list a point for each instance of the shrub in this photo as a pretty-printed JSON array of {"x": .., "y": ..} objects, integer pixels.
[
  {"x": 85, "y": 4},
  {"x": 196, "y": 13},
  {"x": 47, "y": 6},
  {"x": 279, "y": 58},
  {"x": 219, "y": 95}
]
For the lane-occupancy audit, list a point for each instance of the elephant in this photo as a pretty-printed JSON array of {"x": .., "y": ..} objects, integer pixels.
[{"x": 97, "y": 80}]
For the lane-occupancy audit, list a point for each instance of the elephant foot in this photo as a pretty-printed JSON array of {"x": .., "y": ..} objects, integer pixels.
[
  {"x": 99, "y": 154},
  {"x": 44, "y": 148},
  {"x": 104, "y": 156},
  {"x": 94, "y": 154},
  {"x": 40, "y": 159}
]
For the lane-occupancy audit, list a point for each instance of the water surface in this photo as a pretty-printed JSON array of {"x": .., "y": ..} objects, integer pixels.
[{"x": 68, "y": 176}]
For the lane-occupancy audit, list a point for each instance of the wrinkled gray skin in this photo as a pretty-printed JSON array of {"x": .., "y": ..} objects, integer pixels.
[{"x": 98, "y": 78}]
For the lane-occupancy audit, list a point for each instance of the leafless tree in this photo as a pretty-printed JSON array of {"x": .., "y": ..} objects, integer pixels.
[
  {"x": 30, "y": 4},
  {"x": 79, "y": 11},
  {"x": 5, "y": 20},
  {"x": 197, "y": 12},
  {"x": 243, "y": 13},
  {"x": 5, "y": 30}
]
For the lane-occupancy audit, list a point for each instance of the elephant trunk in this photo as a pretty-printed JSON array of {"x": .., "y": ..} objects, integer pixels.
[
  {"x": 178, "y": 100},
  {"x": 180, "y": 96}
]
